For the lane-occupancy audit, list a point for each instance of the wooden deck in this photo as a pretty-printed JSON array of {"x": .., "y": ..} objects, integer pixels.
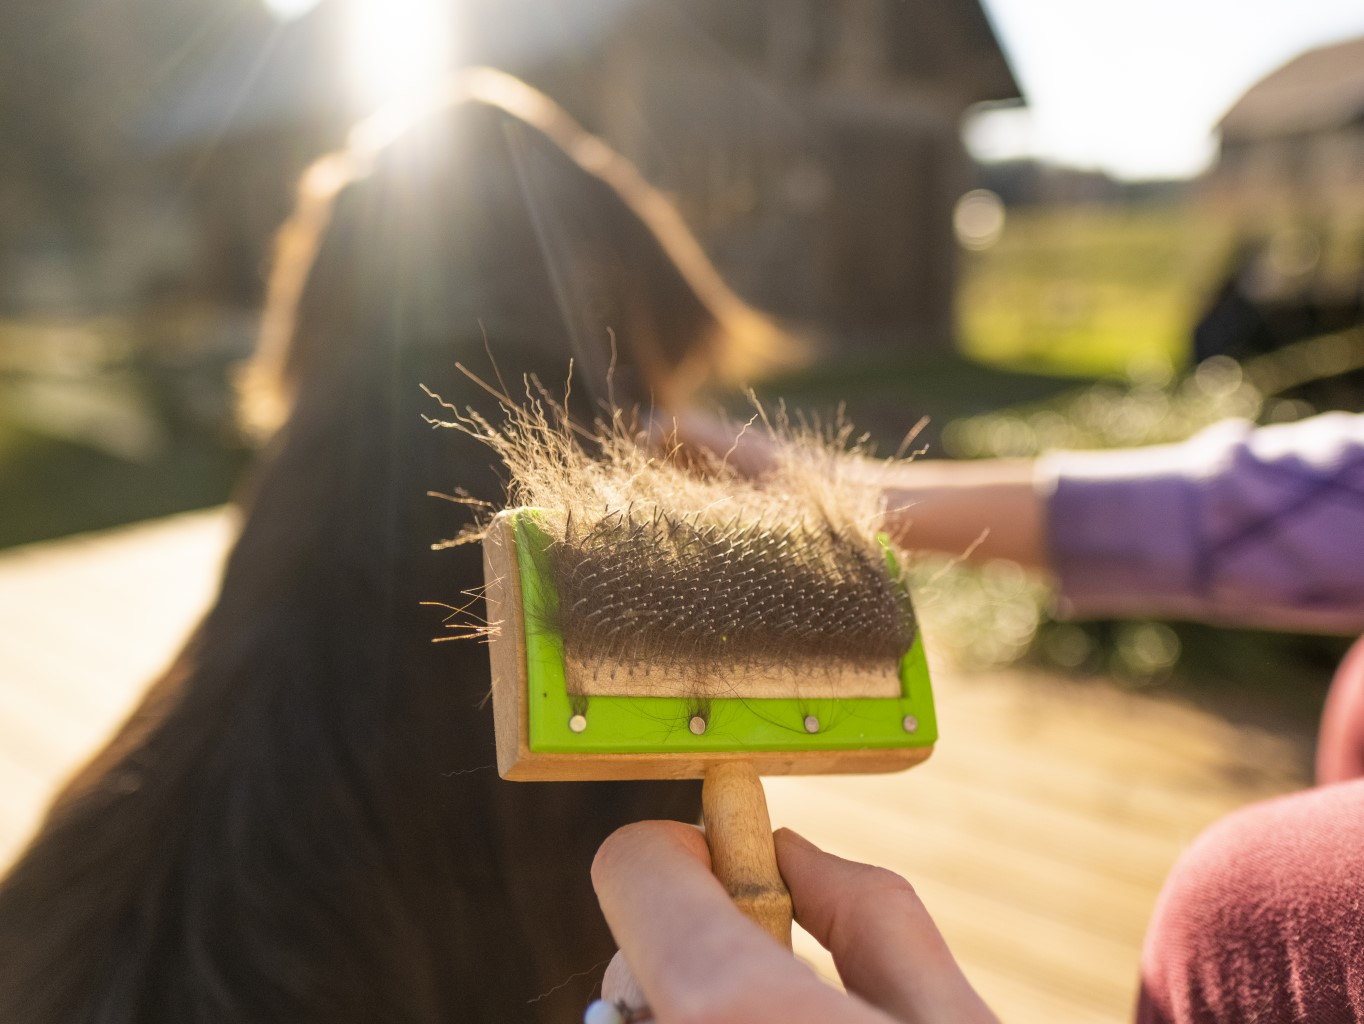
[{"x": 1038, "y": 834}]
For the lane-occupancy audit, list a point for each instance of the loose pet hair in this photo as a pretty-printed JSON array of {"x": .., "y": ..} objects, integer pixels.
[{"x": 301, "y": 821}]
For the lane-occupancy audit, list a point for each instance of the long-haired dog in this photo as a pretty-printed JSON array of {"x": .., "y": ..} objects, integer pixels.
[{"x": 301, "y": 821}]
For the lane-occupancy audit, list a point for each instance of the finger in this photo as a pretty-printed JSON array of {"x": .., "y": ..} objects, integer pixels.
[
  {"x": 884, "y": 943},
  {"x": 695, "y": 956},
  {"x": 747, "y": 448},
  {"x": 619, "y": 984}
]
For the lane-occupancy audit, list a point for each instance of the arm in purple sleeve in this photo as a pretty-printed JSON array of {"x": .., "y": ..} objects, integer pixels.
[{"x": 1239, "y": 525}]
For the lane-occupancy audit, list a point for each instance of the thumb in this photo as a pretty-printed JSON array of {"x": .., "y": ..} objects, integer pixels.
[
  {"x": 620, "y": 986},
  {"x": 884, "y": 943}
]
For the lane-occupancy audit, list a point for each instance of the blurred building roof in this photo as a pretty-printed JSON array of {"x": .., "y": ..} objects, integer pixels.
[
  {"x": 1319, "y": 90},
  {"x": 989, "y": 65}
]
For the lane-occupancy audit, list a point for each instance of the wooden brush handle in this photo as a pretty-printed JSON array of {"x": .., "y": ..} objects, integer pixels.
[{"x": 742, "y": 853}]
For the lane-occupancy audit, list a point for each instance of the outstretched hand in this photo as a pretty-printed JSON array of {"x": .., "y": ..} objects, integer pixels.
[
  {"x": 690, "y": 955},
  {"x": 980, "y": 509},
  {"x": 749, "y": 449}
]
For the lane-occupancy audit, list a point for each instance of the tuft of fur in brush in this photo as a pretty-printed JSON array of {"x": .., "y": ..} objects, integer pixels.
[
  {"x": 698, "y": 592},
  {"x": 663, "y": 556}
]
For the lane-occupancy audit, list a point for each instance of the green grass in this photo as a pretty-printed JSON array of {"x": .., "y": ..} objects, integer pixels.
[
  {"x": 99, "y": 427},
  {"x": 1068, "y": 295},
  {"x": 50, "y": 487},
  {"x": 1091, "y": 290},
  {"x": 887, "y": 396}
]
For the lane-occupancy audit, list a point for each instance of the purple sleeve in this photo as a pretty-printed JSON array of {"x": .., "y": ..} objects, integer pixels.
[{"x": 1256, "y": 527}]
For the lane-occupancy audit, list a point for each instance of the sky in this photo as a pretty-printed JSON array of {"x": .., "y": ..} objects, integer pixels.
[{"x": 1135, "y": 88}]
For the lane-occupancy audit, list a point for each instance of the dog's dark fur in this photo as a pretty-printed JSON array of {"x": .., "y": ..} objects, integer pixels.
[{"x": 301, "y": 822}]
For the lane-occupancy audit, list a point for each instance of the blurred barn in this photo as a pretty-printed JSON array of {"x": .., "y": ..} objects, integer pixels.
[
  {"x": 815, "y": 147},
  {"x": 1292, "y": 147}
]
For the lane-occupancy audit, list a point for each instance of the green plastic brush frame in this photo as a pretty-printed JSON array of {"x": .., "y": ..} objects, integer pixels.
[{"x": 618, "y": 725}]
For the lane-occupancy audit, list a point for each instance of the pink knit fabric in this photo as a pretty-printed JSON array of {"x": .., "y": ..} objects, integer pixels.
[{"x": 1262, "y": 919}]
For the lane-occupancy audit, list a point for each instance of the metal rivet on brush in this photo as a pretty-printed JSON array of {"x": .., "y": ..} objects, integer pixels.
[
  {"x": 811, "y": 723},
  {"x": 578, "y": 723},
  {"x": 911, "y": 724},
  {"x": 697, "y": 724}
]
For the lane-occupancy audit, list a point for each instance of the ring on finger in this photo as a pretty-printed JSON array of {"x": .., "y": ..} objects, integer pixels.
[{"x": 603, "y": 1011}]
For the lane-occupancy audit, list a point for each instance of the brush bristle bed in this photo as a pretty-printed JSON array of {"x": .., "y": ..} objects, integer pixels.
[{"x": 714, "y": 599}]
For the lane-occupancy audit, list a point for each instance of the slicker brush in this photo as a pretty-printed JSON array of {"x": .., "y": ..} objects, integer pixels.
[{"x": 658, "y": 616}]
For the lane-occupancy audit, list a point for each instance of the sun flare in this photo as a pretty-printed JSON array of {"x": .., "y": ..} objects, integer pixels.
[{"x": 398, "y": 49}]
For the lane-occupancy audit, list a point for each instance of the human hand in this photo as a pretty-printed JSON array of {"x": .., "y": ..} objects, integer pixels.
[
  {"x": 974, "y": 509},
  {"x": 690, "y": 955},
  {"x": 747, "y": 448}
]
